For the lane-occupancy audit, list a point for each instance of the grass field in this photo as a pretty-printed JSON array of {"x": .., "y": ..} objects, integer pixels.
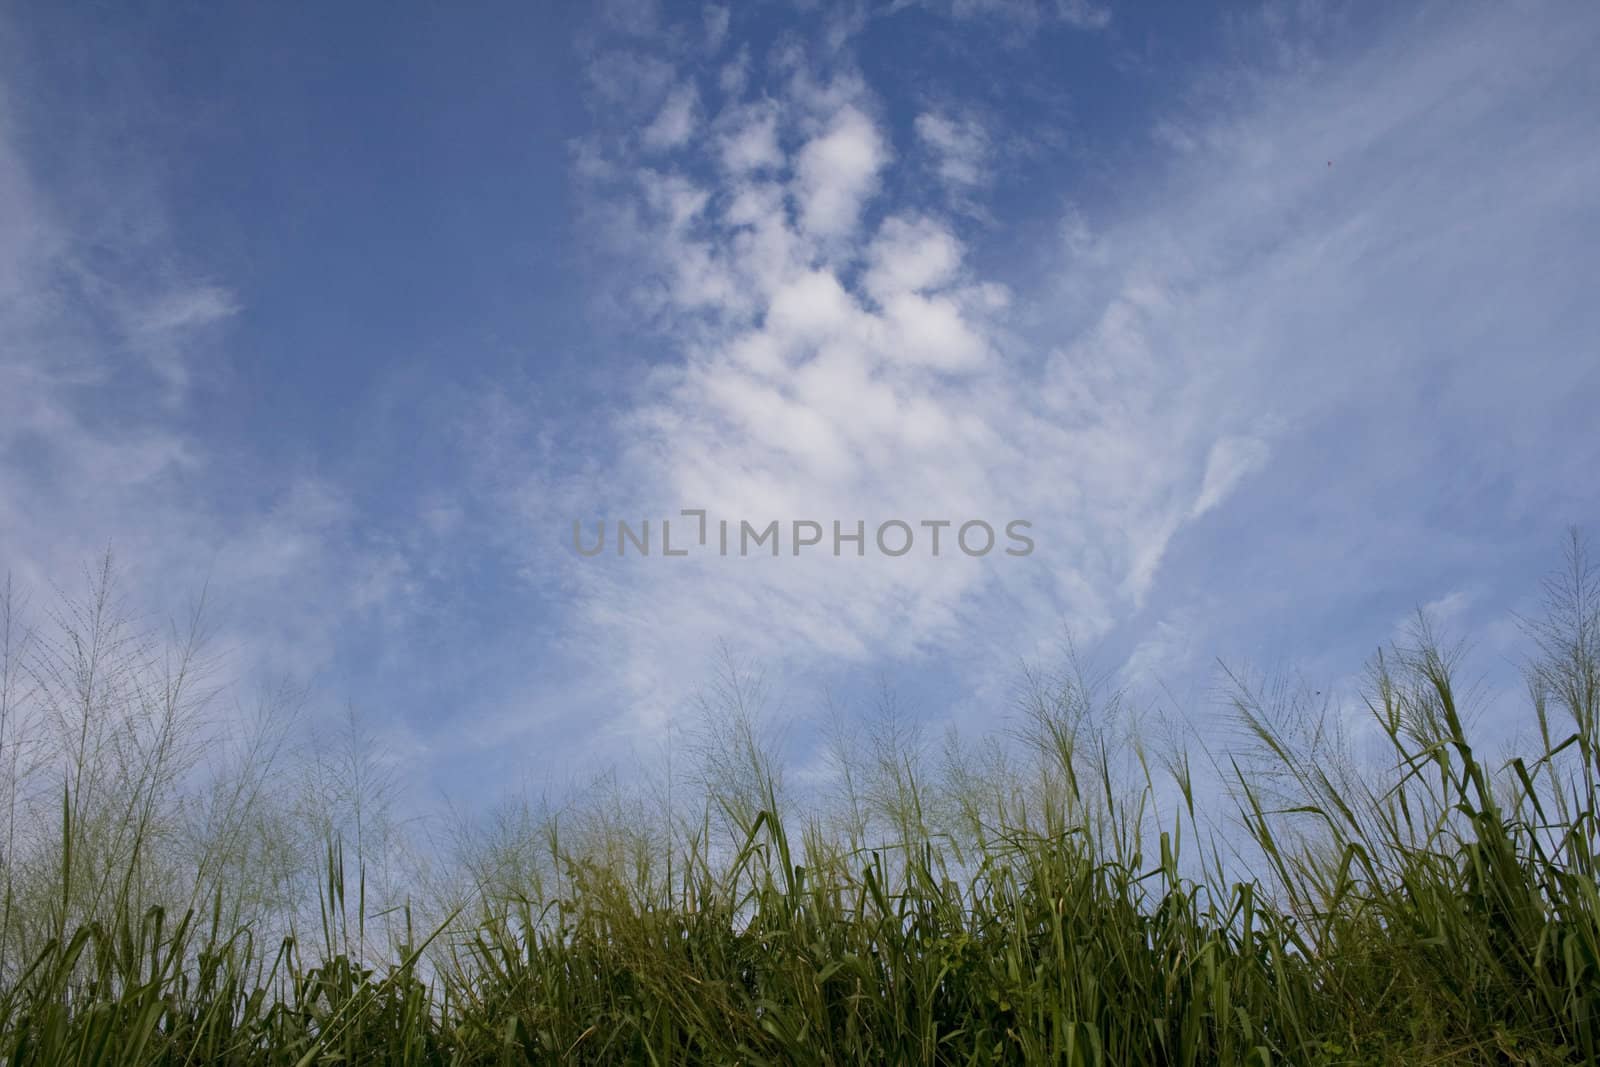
[{"x": 1339, "y": 891}]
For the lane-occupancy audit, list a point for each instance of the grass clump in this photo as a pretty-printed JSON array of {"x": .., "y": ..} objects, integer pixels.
[{"x": 1379, "y": 891}]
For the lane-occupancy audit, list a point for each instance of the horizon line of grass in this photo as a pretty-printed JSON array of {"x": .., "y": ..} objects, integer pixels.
[{"x": 1421, "y": 907}]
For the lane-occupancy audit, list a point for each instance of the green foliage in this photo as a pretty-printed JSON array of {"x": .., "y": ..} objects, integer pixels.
[{"x": 1423, "y": 906}]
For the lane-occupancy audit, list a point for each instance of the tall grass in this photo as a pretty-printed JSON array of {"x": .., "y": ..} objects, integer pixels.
[{"x": 1375, "y": 891}]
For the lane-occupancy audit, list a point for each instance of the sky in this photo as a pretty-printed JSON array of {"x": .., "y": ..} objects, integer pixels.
[{"x": 1275, "y": 323}]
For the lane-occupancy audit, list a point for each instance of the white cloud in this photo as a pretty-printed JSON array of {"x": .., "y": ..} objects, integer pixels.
[
  {"x": 1445, "y": 613},
  {"x": 752, "y": 142},
  {"x": 186, "y": 309},
  {"x": 809, "y": 309},
  {"x": 1167, "y": 651},
  {"x": 831, "y": 366},
  {"x": 631, "y": 81},
  {"x": 717, "y": 18},
  {"x": 164, "y": 328},
  {"x": 675, "y": 123},
  {"x": 931, "y": 331},
  {"x": 837, "y": 171},
  {"x": 734, "y": 74},
  {"x": 910, "y": 255},
  {"x": 1081, "y": 14},
  {"x": 960, "y": 148},
  {"x": 640, "y": 17},
  {"x": 1231, "y": 461}
]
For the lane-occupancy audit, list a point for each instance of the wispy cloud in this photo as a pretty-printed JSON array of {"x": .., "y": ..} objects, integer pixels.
[
  {"x": 835, "y": 353},
  {"x": 1232, "y": 459},
  {"x": 1081, "y": 14},
  {"x": 1325, "y": 301},
  {"x": 960, "y": 149},
  {"x": 675, "y": 122},
  {"x": 108, "y": 333}
]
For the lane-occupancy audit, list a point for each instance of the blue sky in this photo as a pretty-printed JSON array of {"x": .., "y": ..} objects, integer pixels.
[{"x": 1276, "y": 321}]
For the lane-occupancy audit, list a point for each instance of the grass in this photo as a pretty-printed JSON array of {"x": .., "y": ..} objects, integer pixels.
[{"x": 1379, "y": 892}]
